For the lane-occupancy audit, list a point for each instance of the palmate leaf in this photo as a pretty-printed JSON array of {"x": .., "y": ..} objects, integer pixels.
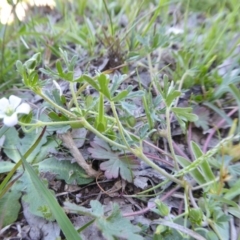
[
  {"x": 115, "y": 165},
  {"x": 113, "y": 226},
  {"x": 128, "y": 107}
]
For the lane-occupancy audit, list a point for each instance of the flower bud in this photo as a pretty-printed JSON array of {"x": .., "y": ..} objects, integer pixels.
[
  {"x": 196, "y": 215},
  {"x": 162, "y": 208}
]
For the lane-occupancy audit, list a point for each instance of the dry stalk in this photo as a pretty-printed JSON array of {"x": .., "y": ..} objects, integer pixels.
[{"x": 70, "y": 144}]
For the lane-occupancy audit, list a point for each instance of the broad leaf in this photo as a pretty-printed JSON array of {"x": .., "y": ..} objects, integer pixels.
[
  {"x": 6, "y": 166},
  {"x": 71, "y": 173},
  {"x": 13, "y": 144},
  {"x": 47, "y": 148},
  {"x": 9, "y": 207},
  {"x": 37, "y": 204}
]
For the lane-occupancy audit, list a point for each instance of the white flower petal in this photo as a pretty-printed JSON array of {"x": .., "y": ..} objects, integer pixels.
[
  {"x": 23, "y": 108},
  {"x": 58, "y": 87},
  {"x": 2, "y": 114},
  {"x": 14, "y": 101},
  {"x": 10, "y": 121},
  {"x": 4, "y": 103},
  {"x": 175, "y": 30}
]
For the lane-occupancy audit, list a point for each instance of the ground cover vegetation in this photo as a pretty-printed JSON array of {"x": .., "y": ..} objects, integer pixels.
[{"x": 119, "y": 120}]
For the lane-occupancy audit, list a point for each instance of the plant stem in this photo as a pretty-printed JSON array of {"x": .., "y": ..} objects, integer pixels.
[
  {"x": 41, "y": 124},
  {"x": 206, "y": 184},
  {"x": 186, "y": 203},
  {"x": 74, "y": 98},
  {"x": 169, "y": 138},
  {"x": 63, "y": 110},
  {"x": 120, "y": 127},
  {"x": 138, "y": 152},
  {"x": 77, "y": 94},
  {"x": 95, "y": 131}
]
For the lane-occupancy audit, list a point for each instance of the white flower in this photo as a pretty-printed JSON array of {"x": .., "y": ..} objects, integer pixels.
[
  {"x": 175, "y": 30},
  {"x": 10, "y": 108}
]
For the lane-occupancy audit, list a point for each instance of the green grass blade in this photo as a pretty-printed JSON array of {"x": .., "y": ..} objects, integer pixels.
[
  {"x": 65, "y": 224},
  {"x": 4, "y": 185}
]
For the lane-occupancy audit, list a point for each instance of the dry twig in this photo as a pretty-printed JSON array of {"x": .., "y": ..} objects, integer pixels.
[{"x": 70, "y": 144}]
